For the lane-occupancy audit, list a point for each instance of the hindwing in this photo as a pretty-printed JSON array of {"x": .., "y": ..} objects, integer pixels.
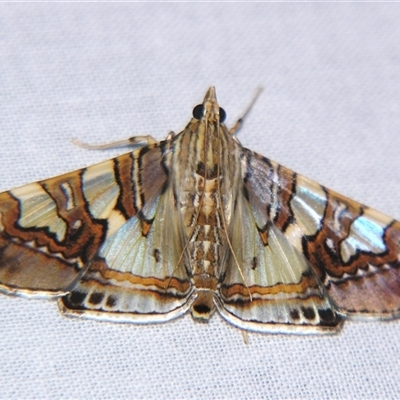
[
  {"x": 271, "y": 286},
  {"x": 138, "y": 274}
]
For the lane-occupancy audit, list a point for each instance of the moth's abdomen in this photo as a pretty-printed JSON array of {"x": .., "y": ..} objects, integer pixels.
[
  {"x": 204, "y": 229},
  {"x": 205, "y": 246}
]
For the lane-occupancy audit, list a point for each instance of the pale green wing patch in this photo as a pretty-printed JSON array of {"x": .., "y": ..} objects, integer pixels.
[
  {"x": 270, "y": 287},
  {"x": 139, "y": 273}
]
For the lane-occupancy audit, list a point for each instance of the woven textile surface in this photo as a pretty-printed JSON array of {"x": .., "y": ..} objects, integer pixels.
[{"x": 101, "y": 72}]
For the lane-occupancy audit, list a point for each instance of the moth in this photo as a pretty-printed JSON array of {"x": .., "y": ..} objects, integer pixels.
[{"x": 199, "y": 223}]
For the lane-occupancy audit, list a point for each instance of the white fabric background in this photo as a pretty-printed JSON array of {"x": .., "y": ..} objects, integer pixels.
[{"x": 102, "y": 72}]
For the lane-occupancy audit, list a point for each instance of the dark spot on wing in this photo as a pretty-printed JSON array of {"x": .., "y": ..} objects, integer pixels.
[
  {"x": 326, "y": 315},
  {"x": 96, "y": 298},
  {"x": 295, "y": 314},
  {"x": 157, "y": 255},
  {"x": 111, "y": 301},
  {"x": 76, "y": 298},
  {"x": 308, "y": 312}
]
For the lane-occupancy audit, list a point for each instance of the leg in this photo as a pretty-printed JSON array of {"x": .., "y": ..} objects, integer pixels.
[
  {"x": 245, "y": 336},
  {"x": 132, "y": 141}
]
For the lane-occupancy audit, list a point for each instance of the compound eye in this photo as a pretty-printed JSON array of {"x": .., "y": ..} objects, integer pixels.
[
  {"x": 222, "y": 115},
  {"x": 198, "y": 111}
]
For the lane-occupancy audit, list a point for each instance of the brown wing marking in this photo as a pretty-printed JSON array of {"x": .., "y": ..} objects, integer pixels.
[
  {"x": 49, "y": 230},
  {"x": 280, "y": 308},
  {"x": 353, "y": 249},
  {"x": 367, "y": 283},
  {"x": 122, "y": 296},
  {"x": 46, "y": 258},
  {"x": 141, "y": 176}
]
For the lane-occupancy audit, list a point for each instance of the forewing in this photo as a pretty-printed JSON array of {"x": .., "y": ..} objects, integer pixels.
[
  {"x": 49, "y": 230},
  {"x": 352, "y": 249},
  {"x": 268, "y": 285}
]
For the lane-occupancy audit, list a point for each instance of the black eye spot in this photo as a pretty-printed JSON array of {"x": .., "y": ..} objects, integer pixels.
[
  {"x": 198, "y": 111},
  {"x": 222, "y": 115}
]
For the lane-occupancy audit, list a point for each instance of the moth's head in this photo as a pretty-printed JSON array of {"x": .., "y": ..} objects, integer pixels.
[{"x": 209, "y": 109}]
